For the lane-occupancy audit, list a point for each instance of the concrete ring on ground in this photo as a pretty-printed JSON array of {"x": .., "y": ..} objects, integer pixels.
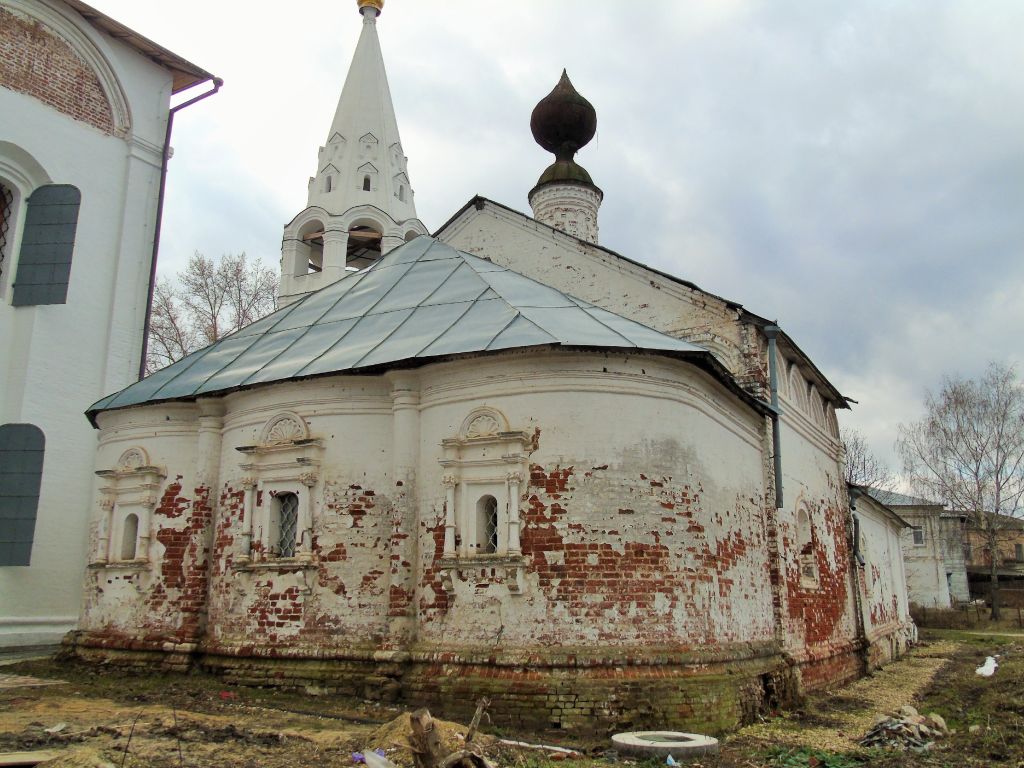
[{"x": 662, "y": 743}]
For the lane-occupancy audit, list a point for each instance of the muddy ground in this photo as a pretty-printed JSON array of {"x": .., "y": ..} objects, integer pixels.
[{"x": 101, "y": 716}]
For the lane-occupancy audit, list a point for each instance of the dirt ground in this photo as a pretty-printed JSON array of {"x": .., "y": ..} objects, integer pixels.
[{"x": 98, "y": 717}]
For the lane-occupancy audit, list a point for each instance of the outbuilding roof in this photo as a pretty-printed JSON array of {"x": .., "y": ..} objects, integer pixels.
[
  {"x": 420, "y": 302},
  {"x": 894, "y": 499}
]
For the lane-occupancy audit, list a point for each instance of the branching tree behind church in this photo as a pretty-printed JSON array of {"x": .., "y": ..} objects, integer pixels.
[
  {"x": 968, "y": 450},
  {"x": 205, "y": 302},
  {"x": 863, "y": 467}
]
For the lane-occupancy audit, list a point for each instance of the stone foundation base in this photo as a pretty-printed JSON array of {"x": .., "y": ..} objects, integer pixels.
[{"x": 692, "y": 692}]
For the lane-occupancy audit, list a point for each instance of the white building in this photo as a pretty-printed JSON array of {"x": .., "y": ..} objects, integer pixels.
[
  {"x": 83, "y": 126},
  {"x": 933, "y": 549}
]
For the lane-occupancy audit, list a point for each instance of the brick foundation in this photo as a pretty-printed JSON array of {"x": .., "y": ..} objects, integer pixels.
[{"x": 698, "y": 691}]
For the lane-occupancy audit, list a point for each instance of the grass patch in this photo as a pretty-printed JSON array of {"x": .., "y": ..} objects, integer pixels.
[{"x": 804, "y": 757}]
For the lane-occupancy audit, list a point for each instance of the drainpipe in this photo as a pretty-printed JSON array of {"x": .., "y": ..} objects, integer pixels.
[
  {"x": 856, "y": 560},
  {"x": 217, "y": 83},
  {"x": 772, "y": 331}
]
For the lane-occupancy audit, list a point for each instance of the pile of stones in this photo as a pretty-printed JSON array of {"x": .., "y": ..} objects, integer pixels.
[{"x": 908, "y": 730}]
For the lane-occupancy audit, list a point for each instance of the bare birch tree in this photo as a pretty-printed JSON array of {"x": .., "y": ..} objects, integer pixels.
[
  {"x": 863, "y": 467},
  {"x": 968, "y": 450},
  {"x": 207, "y": 301}
]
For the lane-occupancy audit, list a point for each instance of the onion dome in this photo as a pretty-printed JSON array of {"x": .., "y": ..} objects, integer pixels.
[
  {"x": 562, "y": 123},
  {"x": 378, "y": 5}
]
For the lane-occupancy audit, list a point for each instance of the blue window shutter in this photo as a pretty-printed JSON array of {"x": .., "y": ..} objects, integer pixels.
[
  {"x": 44, "y": 265},
  {"x": 21, "y": 473}
]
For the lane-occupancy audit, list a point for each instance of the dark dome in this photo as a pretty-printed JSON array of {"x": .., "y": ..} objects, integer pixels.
[{"x": 563, "y": 121}]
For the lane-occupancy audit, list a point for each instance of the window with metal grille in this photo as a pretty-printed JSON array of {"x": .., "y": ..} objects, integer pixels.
[
  {"x": 6, "y": 210},
  {"x": 918, "y": 536},
  {"x": 21, "y": 473},
  {"x": 48, "y": 240},
  {"x": 487, "y": 524},
  {"x": 286, "y": 509}
]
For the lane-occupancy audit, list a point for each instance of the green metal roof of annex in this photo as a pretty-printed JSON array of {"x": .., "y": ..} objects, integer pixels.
[{"x": 422, "y": 301}]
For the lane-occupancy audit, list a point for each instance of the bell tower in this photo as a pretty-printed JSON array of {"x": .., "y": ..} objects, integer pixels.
[{"x": 360, "y": 203}]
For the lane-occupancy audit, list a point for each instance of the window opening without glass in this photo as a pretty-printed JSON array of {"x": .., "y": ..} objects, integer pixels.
[
  {"x": 363, "y": 247},
  {"x": 129, "y": 537}
]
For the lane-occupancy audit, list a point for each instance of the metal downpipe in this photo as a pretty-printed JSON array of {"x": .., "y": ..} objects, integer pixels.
[
  {"x": 217, "y": 83},
  {"x": 771, "y": 332}
]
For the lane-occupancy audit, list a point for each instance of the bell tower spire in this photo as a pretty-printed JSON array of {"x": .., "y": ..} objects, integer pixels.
[{"x": 360, "y": 202}]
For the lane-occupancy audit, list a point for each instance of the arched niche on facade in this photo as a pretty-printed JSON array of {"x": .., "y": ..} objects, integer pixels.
[
  {"x": 486, "y": 465},
  {"x": 281, "y": 473},
  {"x": 128, "y": 498},
  {"x": 88, "y": 47}
]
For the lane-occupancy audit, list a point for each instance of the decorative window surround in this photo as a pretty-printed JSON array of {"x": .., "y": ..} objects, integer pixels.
[
  {"x": 808, "y": 560},
  {"x": 286, "y": 460},
  {"x": 133, "y": 488},
  {"x": 485, "y": 459}
]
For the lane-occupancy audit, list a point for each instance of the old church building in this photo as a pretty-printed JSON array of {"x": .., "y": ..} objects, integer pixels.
[{"x": 498, "y": 459}]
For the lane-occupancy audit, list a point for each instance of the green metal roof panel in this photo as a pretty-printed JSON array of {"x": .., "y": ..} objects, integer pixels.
[{"x": 422, "y": 300}]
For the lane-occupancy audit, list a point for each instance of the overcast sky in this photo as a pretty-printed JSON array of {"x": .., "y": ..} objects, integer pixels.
[{"x": 855, "y": 170}]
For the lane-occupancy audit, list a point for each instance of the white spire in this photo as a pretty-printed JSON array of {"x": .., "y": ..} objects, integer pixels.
[
  {"x": 363, "y": 146},
  {"x": 360, "y": 202}
]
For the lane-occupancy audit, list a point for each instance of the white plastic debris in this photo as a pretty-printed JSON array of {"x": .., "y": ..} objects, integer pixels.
[
  {"x": 671, "y": 761},
  {"x": 988, "y": 668},
  {"x": 373, "y": 760}
]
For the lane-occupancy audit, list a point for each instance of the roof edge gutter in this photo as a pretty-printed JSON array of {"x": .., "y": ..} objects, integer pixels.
[
  {"x": 772, "y": 332},
  {"x": 217, "y": 83}
]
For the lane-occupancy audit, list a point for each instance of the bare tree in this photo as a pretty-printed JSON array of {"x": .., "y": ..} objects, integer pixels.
[
  {"x": 207, "y": 301},
  {"x": 862, "y": 466},
  {"x": 968, "y": 450}
]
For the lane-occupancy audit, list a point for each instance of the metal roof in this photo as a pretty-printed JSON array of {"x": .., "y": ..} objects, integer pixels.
[
  {"x": 185, "y": 74},
  {"x": 424, "y": 300},
  {"x": 894, "y": 499}
]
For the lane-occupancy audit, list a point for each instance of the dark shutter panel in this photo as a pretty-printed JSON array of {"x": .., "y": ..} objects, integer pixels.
[
  {"x": 44, "y": 266},
  {"x": 21, "y": 472}
]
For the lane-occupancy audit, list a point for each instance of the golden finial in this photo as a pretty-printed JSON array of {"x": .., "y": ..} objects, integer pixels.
[{"x": 378, "y": 5}]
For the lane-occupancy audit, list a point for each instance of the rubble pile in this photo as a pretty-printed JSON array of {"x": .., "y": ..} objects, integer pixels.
[{"x": 908, "y": 730}]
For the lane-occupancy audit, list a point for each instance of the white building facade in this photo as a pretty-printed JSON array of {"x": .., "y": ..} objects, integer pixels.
[{"x": 83, "y": 123}]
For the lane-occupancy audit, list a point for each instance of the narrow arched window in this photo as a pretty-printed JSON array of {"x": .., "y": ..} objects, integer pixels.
[
  {"x": 487, "y": 524},
  {"x": 286, "y": 523},
  {"x": 6, "y": 214},
  {"x": 366, "y": 183},
  {"x": 327, "y": 183},
  {"x": 44, "y": 264},
  {"x": 401, "y": 192},
  {"x": 21, "y": 474},
  {"x": 129, "y": 537},
  {"x": 808, "y": 558}
]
